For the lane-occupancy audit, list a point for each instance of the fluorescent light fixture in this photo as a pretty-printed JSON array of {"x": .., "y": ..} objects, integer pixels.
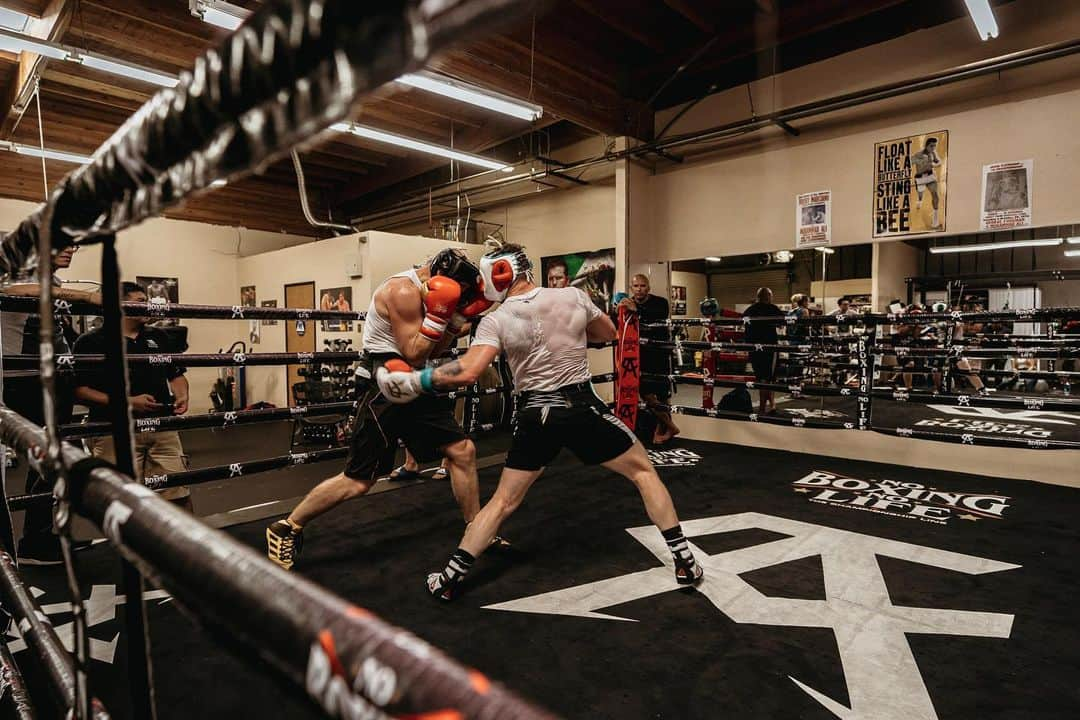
[
  {"x": 389, "y": 138},
  {"x": 119, "y": 67},
  {"x": 713, "y": 259},
  {"x": 1072, "y": 253},
  {"x": 47, "y": 153},
  {"x": 223, "y": 14},
  {"x": 1004, "y": 245},
  {"x": 17, "y": 42},
  {"x": 229, "y": 16},
  {"x": 13, "y": 20},
  {"x": 984, "y": 18},
  {"x": 1073, "y": 240},
  {"x": 473, "y": 95}
]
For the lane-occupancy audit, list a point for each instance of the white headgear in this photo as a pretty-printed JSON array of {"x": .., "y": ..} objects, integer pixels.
[{"x": 500, "y": 269}]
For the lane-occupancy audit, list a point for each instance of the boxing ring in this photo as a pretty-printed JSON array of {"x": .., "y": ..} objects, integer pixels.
[{"x": 291, "y": 71}]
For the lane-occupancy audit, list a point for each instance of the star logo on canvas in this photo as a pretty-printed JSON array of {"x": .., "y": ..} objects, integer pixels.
[
  {"x": 100, "y": 613},
  {"x": 883, "y": 680}
]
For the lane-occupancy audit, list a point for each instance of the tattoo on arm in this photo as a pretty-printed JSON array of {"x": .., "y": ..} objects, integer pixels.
[{"x": 444, "y": 374}]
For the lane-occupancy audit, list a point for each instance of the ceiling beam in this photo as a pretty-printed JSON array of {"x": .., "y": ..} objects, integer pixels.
[
  {"x": 555, "y": 83},
  {"x": 355, "y": 200},
  {"x": 619, "y": 21},
  {"x": 692, "y": 14},
  {"x": 791, "y": 23},
  {"x": 33, "y": 8},
  {"x": 50, "y": 24}
]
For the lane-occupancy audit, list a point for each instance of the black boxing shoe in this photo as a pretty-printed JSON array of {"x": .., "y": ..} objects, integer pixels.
[
  {"x": 283, "y": 544},
  {"x": 689, "y": 575},
  {"x": 441, "y": 587}
]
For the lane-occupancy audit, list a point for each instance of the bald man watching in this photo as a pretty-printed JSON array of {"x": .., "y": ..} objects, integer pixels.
[{"x": 654, "y": 360}]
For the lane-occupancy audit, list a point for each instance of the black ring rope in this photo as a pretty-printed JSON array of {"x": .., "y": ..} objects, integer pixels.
[
  {"x": 1017, "y": 316},
  {"x": 49, "y": 656},
  {"x": 315, "y": 640},
  {"x": 20, "y": 706},
  {"x": 291, "y": 70},
  {"x": 15, "y": 303}
]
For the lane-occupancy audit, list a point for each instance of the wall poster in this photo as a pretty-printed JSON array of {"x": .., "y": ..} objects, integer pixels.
[
  {"x": 161, "y": 290},
  {"x": 269, "y": 304},
  {"x": 339, "y": 298},
  {"x": 678, "y": 299},
  {"x": 247, "y": 299},
  {"x": 1006, "y": 195},
  {"x": 910, "y": 185},
  {"x": 813, "y": 221},
  {"x": 593, "y": 272}
]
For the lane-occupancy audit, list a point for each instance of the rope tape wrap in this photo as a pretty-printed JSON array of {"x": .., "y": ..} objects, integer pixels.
[
  {"x": 348, "y": 661},
  {"x": 19, "y": 706},
  {"x": 48, "y": 653}
]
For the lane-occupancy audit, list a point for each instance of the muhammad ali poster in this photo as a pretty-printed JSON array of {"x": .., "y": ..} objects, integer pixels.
[
  {"x": 165, "y": 290},
  {"x": 1006, "y": 195},
  {"x": 812, "y": 221},
  {"x": 910, "y": 185},
  {"x": 593, "y": 272}
]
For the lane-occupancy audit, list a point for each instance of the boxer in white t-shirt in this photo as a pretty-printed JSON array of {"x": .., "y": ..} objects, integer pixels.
[{"x": 544, "y": 333}]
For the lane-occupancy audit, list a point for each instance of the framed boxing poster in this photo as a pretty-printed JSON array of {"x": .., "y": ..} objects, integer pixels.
[
  {"x": 1006, "y": 195},
  {"x": 911, "y": 185},
  {"x": 269, "y": 304},
  {"x": 593, "y": 272},
  {"x": 161, "y": 290},
  {"x": 812, "y": 219},
  {"x": 338, "y": 298}
]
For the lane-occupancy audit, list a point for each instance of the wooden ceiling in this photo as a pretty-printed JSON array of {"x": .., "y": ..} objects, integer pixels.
[{"x": 600, "y": 66}]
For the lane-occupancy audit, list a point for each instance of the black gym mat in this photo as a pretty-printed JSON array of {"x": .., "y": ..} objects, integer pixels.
[{"x": 875, "y": 590}]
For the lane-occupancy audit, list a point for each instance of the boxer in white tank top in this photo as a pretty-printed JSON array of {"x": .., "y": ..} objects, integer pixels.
[
  {"x": 413, "y": 315},
  {"x": 544, "y": 333}
]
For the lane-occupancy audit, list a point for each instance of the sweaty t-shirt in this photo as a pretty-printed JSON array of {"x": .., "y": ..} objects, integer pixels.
[{"x": 543, "y": 335}]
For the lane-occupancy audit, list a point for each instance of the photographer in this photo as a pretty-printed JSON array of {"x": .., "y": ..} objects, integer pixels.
[{"x": 155, "y": 390}]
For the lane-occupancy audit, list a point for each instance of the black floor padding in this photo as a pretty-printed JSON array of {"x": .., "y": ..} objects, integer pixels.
[{"x": 835, "y": 588}]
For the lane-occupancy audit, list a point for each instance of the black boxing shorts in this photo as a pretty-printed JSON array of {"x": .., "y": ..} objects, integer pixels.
[
  {"x": 426, "y": 426},
  {"x": 571, "y": 417}
]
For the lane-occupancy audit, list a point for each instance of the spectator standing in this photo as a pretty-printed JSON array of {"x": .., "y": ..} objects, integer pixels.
[
  {"x": 22, "y": 393},
  {"x": 654, "y": 360},
  {"x": 763, "y": 333},
  {"x": 155, "y": 390}
]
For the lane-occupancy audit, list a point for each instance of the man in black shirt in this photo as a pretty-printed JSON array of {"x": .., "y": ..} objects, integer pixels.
[
  {"x": 22, "y": 393},
  {"x": 655, "y": 360},
  {"x": 763, "y": 333},
  {"x": 155, "y": 390}
]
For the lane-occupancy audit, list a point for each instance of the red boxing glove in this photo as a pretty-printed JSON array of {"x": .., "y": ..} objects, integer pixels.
[
  {"x": 477, "y": 307},
  {"x": 441, "y": 301},
  {"x": 468, "y": 312}
]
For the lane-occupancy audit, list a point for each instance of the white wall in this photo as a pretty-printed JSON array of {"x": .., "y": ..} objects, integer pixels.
[
  {"x": 893, "y": 263},
  {"x": 204, "y": 259},
  {"x": 740, "y": 199}
]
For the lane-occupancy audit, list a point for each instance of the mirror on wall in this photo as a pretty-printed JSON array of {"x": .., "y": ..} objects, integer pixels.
[{"x": 921, "y": 372}]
